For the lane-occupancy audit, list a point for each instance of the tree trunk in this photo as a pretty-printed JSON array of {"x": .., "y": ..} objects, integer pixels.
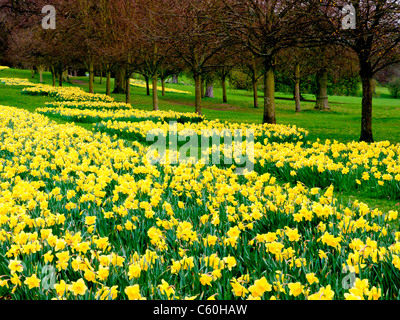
[
  {"x": 108, "y": 83},
  {"x": 197, "y": 81},
  {"x": 322, "y": 90},
  {"x": 155, "y": 93},
  {"x": 202, "y": 88},
  {"x": 128, "y": 89},
  {"x": 163, "y": 86},
  {"x": 255, "y": 92},
  {"x": 147, "y": 85},
  {"x": 224, "y": 95},
  {"x": 101, "y": 76},
  {"x": 366, "y": 118},
  {"x": 40, "y": 69},
  {"x": 66, "y": 76},
  {"x": 60, "y": 77},
  {"x": 209, "y": 90},
  {"x": 119, "y": 84},
  {"x": 297, "y": 87},
  {"x": 53, "y": 73},
  {"x": 269, "y": 96},
  {"x": 91, "y": 76},
  {"x": 32, "y": 73},
  {"x": 175, "y": 78}
]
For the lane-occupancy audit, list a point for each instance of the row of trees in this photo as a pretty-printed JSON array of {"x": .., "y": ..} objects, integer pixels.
[{"x": 208, "y": 38}]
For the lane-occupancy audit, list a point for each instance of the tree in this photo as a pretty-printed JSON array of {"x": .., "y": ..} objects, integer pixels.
[
  {"x": 374, "y": 38},
  {"x": 330, "y": 60},
  {"x": 30, "y": 43},
  {"x": 209, "y": 85},
  {"x": 252, "y": 66},
  {"x": 85, "y": 25},
  {"x": 126, "y": 44},
  {"x": 14, "y": 15},
  {"x": 194, "y": 34},
  {"x": 322, "y": 61},
  {"x": 27, "y": 46},
  {"x": 154, "y": 47},
  {"x": 169, "y": 67},
  {"x": 226, "y": 61},
  {"x": 265, "y": 28},
  {"x": 292, "y": 67}
]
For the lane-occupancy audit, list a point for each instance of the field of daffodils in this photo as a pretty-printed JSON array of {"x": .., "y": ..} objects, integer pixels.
[{"x": 85, "y": 215}]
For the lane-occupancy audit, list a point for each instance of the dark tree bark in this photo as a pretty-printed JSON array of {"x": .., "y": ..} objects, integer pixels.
[
  {"x": 128, "y": 89},
  {"x": 197, "y": 81},
  {"x": 269, "y": 96},
  {"x": 224, "y": 95},
  {"x": 119, "y": 84},
  {"x": 147, "y": 85},
  {"x": 53, "y": 73},
  {"x": 366, "y": 115}
]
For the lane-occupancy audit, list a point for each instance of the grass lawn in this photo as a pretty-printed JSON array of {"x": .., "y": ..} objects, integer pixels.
[{"x": 342, "y": 123}]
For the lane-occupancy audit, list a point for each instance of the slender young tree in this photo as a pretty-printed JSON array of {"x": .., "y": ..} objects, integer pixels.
[
  {"x": 226, "y": 60},
  {"x": 252, "y": 66}
]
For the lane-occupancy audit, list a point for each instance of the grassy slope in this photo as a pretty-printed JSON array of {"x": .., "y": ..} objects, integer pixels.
[{"x": 342, "y": 123}]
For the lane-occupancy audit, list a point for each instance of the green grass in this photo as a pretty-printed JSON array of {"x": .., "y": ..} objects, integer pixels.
[{"x": 342, "y": 123}]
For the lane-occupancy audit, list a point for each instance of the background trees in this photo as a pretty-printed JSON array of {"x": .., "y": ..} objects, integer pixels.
[
  {"x": 16, "y": 15},
  {"x": 375, "y": 40},
  {"x": 264, "y": 28},
  {"x": 284, "y": 42},
  {"x": 194, "y": 32}
]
